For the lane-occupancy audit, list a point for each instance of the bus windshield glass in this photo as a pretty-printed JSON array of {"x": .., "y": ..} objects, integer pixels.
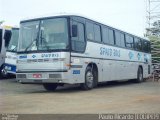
[
  {"x": 42, "y": 35},
  {"x": 14, "y": 40}
]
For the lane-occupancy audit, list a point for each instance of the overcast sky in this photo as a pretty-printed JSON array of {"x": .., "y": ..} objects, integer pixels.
[{"x": 128, "y": 15}]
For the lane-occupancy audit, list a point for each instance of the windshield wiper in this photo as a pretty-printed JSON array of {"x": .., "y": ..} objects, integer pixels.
[
  {"x": 44, "y": 41},
  {"x": 13, "y": 50},
  {"x": 30, "y": 45}
]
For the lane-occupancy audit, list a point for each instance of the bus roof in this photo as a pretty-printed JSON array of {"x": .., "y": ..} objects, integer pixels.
[
  {"x": 7, "y": 27},
  {"x": 78, "y": 15}
]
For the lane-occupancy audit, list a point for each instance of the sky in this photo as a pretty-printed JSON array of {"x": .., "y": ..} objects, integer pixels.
[{"x": 127, "y": 15}]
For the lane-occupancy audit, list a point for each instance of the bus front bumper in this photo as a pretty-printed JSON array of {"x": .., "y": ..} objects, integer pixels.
[{"x": 45, "y": 77}]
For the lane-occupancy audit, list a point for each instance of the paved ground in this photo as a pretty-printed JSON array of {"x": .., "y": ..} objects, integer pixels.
[{"x": 124, "y": 97}]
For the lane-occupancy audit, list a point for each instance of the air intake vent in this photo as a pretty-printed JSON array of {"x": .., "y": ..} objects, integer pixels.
[
  {"x": 21, "y": 76},
  {"x": 55, "y": 76}
]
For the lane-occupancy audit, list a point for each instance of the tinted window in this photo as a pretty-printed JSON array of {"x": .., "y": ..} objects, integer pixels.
[
  {"x": 137, "y": 43},
  {"x": 97, "y": 33},
  {"x": 129, "y": 41},
  {"x": 90, "y": 31},
  {"x": 0, "y": 39},
  {"x": 81, "y": 32},
  {"x": 78, "y": 42},
  {"x": 111, "y": 36},
  {"x": 105, "y": 35},
  {"x": 108, "y": 36},
  {"x": 119, "y": 37},
  {"x": 146, "y": 46}
]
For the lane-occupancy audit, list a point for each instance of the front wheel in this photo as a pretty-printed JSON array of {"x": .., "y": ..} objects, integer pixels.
[
  {"x": 50, "y": 86},
  {"x": 90, "y": 79}
]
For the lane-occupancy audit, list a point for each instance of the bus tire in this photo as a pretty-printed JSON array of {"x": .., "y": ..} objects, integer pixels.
[
  {"x": 139, "y": 75},
  {"x": 90, "y": 78},
  {"x": 4, "y": 73},
  {"x": 50, "y": 86}
]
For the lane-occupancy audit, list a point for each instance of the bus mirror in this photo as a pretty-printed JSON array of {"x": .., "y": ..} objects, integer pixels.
[
  {"x": 74, "y": 31},
  {"x": 7, "y": 37}
]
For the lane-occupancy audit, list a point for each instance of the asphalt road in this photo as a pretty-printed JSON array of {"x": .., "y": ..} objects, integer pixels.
[{"x": 123, "y": 97}]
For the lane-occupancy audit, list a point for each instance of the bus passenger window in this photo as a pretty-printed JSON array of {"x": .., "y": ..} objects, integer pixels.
[
  {"x": 146, "y": 46},
  {"x": 129, "y": 41},
  {"x": 118, "y": 38},
  {"x": 105, "y": 35},
  {"x": 97, "y": 33},
  {"x": 90, "y": 31},
  {"x": 137, "y": 44},
  {"x": 111, "y": 36}
]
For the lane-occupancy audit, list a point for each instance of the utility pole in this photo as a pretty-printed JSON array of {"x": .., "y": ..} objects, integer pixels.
[{"x": 153, "y": 15}]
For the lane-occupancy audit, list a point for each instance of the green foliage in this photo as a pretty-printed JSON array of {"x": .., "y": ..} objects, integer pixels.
[{"x": 155, "y": 45}]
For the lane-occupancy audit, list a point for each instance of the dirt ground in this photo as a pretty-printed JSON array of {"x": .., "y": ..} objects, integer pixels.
[{"x": 112, "y": 97}]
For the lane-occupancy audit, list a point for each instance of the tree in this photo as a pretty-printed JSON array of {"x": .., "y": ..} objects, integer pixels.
[{"x": 155, "y": 48}]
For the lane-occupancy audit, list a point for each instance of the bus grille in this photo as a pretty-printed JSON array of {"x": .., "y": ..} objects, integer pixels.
[
  {"x": 21, "y": 75},
  {"x": 55, "y": 76}
]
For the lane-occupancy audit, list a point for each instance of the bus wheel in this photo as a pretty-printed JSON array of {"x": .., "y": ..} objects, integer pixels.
[
  {"x": 50, "y": 86},
  {"x": 89, "y": 79},
  {"x": 4, "y": 73},
  {"x": 139, "y": 75}
]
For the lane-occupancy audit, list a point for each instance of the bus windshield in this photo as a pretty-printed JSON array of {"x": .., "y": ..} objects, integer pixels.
[
  {"x": 42, "y": 35},
  {"x": 14, "y": 40}
]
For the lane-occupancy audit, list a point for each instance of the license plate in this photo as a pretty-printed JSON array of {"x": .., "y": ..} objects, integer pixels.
[{"x": 37, "y": 75}]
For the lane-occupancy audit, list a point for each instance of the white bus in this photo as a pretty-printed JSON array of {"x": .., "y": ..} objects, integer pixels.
[
  {"x": 72, "y": 49},
  {"x": 5, "y": 35},
  {"x": 9, "y": 66}
]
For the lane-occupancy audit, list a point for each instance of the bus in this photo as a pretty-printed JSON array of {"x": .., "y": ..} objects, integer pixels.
[
  {"x": 73, "y": 49},
  {"x": 9, "y": 66},
  {"x": 5, "y": 35}
]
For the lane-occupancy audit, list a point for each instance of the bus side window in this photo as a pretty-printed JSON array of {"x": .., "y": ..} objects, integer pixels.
[
  {"x": 111, "y": 36},
  {"x": 146, "y": 46},
  {"x": 119, "y": 37},
  {"x": 129, "y": 41},
  {"x": 108, "y": 35},
  {"x": 78, "y": 39},
  {"x": 105, "y": 36},
  {"x": 0, "y": 40},
  {"x": 90, "y": 31},
  {"x": 97, "y": 33},
  {"x": 137, "y": 44}
]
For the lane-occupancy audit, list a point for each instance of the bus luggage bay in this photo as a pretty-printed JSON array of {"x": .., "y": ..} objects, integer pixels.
[{"x": 71, "y": 49}]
